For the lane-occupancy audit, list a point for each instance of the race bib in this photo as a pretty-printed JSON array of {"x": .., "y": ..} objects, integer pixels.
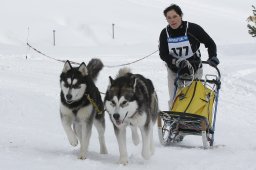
[{"x": 179, "y": 47}]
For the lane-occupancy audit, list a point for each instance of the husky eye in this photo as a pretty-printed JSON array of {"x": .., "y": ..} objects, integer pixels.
[
  {"x": 124, "y": 103},
  {"x": 113, "y": 103},
  {"x": 76, "y": 86},
  {"x": 66, "y": 85}
]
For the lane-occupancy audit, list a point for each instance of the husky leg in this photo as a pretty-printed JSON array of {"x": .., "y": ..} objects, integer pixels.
[
  {"x": 121, "y": 139},
  {"x": 145, "y": 133},
  {"x": 152, "y": 144},
  {"x": 66, "y": 123},
  {"x": 86, "y": 134},
  {"x": 78, "y": 130},
  {"x": 100, "y": 126},
  {"x": 135, "y": 135}
]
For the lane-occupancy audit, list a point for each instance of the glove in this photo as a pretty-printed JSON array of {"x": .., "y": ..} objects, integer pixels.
[
  {"x": 213, "y": 61},
  {"x": 181, "y": 63},
  {"x": 185, "y": 68}
]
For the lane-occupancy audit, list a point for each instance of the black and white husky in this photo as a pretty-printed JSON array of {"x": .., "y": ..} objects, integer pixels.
[
  {"x": 81, "y": 105},
  {"x": 131, "y": 100}
]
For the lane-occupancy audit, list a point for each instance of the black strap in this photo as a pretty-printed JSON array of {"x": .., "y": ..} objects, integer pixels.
[{"x": 191, "y": 97}]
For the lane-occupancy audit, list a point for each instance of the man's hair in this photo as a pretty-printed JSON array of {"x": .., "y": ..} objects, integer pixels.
[{"x": 174, "y": 7}]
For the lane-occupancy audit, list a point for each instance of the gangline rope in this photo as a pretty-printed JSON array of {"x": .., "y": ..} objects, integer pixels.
[{"x": 73, "y": 62}]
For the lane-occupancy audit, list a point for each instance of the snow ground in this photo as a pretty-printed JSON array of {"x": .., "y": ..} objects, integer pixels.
[{"x": 31, "y": 133}]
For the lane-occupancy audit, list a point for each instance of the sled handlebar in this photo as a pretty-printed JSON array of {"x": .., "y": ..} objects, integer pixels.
[
  {"x": 216, "y": 68},
  {"x": 206, "y": 62},
  {"x": 214, "y": 81}
]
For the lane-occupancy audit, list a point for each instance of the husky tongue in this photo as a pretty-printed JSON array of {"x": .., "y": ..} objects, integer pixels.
[{"x": 118, "y": 122}]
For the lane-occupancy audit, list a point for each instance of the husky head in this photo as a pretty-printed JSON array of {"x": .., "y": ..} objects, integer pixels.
[
  {"x": 73, "y": 82},
  {"x": 120, "y": 99}
]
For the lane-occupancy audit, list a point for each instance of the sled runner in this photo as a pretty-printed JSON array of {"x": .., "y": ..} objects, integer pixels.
[{"x": 193, "y": 111}]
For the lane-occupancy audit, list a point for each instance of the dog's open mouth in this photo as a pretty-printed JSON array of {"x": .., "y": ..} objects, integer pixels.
[
  {"x": 69, "y": 101},
  {"x": 118, "y": 122}
]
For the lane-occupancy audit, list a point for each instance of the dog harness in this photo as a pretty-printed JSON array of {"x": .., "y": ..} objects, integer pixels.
[
  {"x": 179, "y": 47},
  {"x": 93, "y": 104}
]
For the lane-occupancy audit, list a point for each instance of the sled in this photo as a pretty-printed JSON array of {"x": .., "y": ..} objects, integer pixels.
[{"x": 193, "y": 111}]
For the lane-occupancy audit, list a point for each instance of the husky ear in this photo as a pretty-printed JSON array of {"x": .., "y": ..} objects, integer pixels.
[
  {"x": 83, "y": 69},
  {"x": 110, "y": 82},
  {"x": 67, "y": 67},
  {"x": 133, "y": 83}
]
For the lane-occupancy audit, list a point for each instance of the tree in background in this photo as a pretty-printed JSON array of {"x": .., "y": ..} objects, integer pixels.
[{"x": 252, "y": 23}]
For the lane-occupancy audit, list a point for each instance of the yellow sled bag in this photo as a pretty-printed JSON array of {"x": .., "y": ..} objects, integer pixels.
[{"x": 196, "y": 99}]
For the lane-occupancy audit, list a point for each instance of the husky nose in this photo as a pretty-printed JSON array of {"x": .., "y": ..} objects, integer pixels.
[
  {"x": 116, "y": 116},
  {"x": 69, "y": 96}
]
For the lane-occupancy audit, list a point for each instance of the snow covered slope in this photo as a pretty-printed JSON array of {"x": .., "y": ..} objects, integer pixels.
[{"x": 31, "y": 134}]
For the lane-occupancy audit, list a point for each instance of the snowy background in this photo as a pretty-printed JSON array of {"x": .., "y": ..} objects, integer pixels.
[{"x": 31, "y": 134}]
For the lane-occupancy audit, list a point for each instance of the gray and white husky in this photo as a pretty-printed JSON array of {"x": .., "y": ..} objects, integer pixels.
[
  {"x": 132, "y": 101},
  {"x": 81, "y": 105}
]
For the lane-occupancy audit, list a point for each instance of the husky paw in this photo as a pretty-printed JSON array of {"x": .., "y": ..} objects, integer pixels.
[
  {"x": 103, "y": 150},
  {"x": 123, "y": 161},
  {"x": 146, "y": 155},
  {"x": 152, "y": 150},
  {"x": 73, "y": 141},
  {"x": 136, "y": 140},
  {"x": 82, "y": 156}
]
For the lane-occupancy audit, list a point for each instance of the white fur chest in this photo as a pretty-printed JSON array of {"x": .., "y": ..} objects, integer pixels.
[
  {"x": 65, "y": 110},
  {"x": 138, "y": 119},
  {"x": 84, "y": 112}
]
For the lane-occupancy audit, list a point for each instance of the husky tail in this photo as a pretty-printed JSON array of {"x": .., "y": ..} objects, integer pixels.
[
  {"x": 123, "y": 71},
  {"x": 94, "y": 66}
]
